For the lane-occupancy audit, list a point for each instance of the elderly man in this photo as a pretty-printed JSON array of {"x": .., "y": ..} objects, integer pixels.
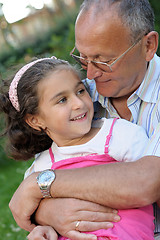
[{"x": 117, "y": 47}]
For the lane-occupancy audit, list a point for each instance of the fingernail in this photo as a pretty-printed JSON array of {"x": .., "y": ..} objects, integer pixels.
[
  {"x": 109, "y": 225},
  {"x": 115, "y": 211},
  {"x": 117, "y": 218},
  {"x": 94, "y": 238}
]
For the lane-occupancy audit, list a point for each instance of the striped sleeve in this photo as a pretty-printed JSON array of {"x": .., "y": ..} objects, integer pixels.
[{"x": 153, "y": 147}]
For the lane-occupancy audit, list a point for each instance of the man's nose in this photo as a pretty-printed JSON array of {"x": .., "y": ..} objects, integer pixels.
[{"x": 93, "y": 71}]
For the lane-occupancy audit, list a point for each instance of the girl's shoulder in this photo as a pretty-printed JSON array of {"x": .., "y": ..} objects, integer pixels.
[
  {"x": 43, "y": 161},
  {"x": 121, "y": 127}
]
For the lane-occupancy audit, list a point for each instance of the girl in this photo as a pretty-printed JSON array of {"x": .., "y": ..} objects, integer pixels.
[{"x": 48, "y": 109}]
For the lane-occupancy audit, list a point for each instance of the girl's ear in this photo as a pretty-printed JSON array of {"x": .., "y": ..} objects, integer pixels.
[
  {"x": 34, "y": 122},
  {"x": 151, "y": 45}
]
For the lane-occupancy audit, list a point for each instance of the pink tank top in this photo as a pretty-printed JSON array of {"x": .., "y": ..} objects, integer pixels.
[{"x": 135, "y": 224}]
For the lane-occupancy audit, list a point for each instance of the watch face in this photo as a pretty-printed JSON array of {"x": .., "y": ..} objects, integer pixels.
[{"x": 45, "y": 179}]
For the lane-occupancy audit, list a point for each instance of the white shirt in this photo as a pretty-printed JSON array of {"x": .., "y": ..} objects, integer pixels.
[{"x": 127, "y": 144}]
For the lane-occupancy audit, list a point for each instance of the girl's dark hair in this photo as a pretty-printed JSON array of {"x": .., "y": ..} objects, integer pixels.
[{"x": 23, "y": 141}]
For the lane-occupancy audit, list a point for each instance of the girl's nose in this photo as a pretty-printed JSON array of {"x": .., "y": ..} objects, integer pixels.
[{"x": 77, "y": 103}]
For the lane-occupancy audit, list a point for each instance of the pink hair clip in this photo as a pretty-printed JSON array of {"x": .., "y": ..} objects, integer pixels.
[{"x": 13, "y": 86}]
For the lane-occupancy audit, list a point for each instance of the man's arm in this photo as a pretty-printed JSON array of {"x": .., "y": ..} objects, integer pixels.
[
  {"x": 118, "y": 185},
  {"x": 142, "y": 188},
  {"x": 28, "y": 198}
]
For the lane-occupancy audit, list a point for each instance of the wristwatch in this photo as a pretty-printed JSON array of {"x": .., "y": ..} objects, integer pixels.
[{"x": 44, "y": 180}]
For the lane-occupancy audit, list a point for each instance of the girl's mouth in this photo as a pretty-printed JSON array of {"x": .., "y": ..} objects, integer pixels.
[{"x": 79, "y": 117}]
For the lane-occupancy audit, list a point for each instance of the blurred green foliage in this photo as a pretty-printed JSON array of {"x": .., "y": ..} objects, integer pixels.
[
  {"x": 156, "y": 7},
  {"x": 58, "y": 41}
]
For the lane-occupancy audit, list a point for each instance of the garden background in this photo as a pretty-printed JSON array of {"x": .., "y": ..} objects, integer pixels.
[{"x": 58, "y": 40}]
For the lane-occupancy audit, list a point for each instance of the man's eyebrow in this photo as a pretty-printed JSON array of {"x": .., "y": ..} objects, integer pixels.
[
  {"x": 64, "y": 92},
  {"x": 96, "y": 55}
]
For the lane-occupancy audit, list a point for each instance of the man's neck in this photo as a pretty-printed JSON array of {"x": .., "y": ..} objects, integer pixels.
[{"x": 120, "y": 104}]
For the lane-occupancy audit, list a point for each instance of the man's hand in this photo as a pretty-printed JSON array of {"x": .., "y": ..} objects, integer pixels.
[
  {"x": 25, "y": 201},
  {"x": 64, "y": 213}
]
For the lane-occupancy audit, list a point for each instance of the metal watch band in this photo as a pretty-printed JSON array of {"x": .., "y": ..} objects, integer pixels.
[{"x": 46, "y": 193}]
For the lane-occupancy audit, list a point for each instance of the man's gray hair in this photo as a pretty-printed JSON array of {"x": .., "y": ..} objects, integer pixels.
[{"x": 136, "y": 15}]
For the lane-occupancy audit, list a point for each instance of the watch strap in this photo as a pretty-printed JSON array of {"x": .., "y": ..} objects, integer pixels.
[{"x": 46, "y": 193}]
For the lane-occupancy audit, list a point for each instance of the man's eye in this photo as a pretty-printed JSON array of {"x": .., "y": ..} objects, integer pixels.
[{"x": 110, "y": 61}]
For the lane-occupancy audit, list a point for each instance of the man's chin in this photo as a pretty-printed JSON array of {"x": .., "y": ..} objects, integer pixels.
[
  {"x": 106, "y": 89},
  {"x": 105, "y": 92}
]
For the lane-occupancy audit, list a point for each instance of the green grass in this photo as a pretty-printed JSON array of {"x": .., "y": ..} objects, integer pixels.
[{"x": 11, "y": 174}]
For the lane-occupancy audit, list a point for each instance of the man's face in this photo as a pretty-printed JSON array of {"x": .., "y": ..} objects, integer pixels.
[{"x": 105, "y": 39}]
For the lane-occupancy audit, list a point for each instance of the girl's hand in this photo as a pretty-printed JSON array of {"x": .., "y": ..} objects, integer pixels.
[
  {"x": 42, "y": 233},
  {"x": 25, "y": 201}
]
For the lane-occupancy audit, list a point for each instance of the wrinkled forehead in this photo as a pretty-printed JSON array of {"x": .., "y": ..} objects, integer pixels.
[{"x": 100, "y": 32}]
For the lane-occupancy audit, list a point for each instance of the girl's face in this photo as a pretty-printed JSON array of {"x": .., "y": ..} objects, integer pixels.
[{"x": 65, "y": 107}]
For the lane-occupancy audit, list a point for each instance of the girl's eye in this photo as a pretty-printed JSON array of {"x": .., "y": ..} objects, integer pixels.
[
  {"x": 62, "y": 100},
  {"x": 81, "y": 91}
]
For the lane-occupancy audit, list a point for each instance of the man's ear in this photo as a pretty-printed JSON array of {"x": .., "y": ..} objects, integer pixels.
[
  {"x": 34, "y": 122},
  {"x": 151, "y": 45}
]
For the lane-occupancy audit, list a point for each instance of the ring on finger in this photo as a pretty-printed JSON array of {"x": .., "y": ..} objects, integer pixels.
[{"x": 77, "y": 225}]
